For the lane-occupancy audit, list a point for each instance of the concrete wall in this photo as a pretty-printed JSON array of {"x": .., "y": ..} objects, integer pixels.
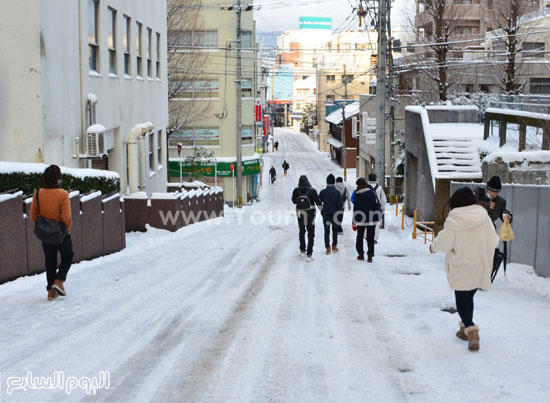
[
  {"x": 453, "y": 114},
  {"x": 535, "y": 174},
  {"x": 531, "y": 224},
  {"x": 45, "y": 81}
]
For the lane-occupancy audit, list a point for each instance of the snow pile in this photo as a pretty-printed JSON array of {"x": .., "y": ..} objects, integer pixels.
[
  {"x": 37, "y": 168},
  {"x": 524, "y": 278},
  {"x": 524, "y": 157},
  {"x": 74, "y": 193},
  {"x": 90, "y": 196},
  {"x": 194, "y": 184},
  {"x": 8, "y": 196},
  {"x": 513, "y": 112},
  {"x": 533, "y": 140}
]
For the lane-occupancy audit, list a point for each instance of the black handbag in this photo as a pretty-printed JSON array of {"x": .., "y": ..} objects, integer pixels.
[
  {"x": 49, "y": 231},
  {"x": 497, "y": 261}
]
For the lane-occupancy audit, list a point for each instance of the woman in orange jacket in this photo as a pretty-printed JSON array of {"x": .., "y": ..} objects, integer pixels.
[{"x": 54, "y": 204}]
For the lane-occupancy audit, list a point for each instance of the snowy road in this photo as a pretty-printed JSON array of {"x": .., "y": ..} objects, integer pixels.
[{"x": 225, "y": 311}]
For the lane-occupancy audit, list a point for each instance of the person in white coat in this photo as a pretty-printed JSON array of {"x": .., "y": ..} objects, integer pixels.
[
  {"x": 469, "y": 239},
  {"x": 379, "y": 190},
  {"x": 346, "y": 198}
]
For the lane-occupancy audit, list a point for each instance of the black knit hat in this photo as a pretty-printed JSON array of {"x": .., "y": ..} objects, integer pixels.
[
  {"x": 361, "y": 182},
  {"x": 331, "y": 180},
  {"x": 494, "y": 184}
]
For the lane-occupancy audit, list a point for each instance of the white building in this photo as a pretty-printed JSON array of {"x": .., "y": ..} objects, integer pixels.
[{"x": 84, "y": 84}]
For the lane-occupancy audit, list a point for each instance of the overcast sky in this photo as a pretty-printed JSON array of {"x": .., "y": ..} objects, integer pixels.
[{"x": 278, "y": 16}]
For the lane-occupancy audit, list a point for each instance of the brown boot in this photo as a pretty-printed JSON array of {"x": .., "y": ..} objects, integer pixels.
[
  {"x": 369, "y": 258},
  {"x": 58, "y": 286},
  {"x": 334, "y": 249},
  {"x": 360, "y": 257},
  {"x": 52, "y": 294},
  {"x": 460, "y": 334},
  {"x": 473, "y": 337}
]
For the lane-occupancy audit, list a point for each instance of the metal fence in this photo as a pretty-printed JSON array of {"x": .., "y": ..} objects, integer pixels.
[{"x": 530, "y": 207}]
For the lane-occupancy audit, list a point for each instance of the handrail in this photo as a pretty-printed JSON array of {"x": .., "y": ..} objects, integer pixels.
[{"x": 426, "y": 230}]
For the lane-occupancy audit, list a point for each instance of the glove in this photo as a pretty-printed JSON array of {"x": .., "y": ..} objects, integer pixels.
[{"x": 354, "y": 227}]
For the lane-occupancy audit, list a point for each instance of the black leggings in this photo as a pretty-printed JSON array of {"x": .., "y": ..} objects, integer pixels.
[{"x": 465, "y": 306}]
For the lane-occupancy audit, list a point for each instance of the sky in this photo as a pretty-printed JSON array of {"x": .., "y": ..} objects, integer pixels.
[{"x": 277, "y": 16}]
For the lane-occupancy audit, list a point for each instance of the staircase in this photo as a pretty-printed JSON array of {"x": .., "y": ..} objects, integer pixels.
[{"x": 457, "y": 156}]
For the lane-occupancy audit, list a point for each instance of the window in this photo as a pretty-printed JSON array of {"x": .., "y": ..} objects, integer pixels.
[
  {"x": 347, "y": 78},
  {"x": 246, "y": 88},
  {"x": 93, "y": 44},
  {"x": 330, "y": 99},
  {"x": 246, "y": 134},
  {"x": 540, "y": 86},
  {"x": 484, "y": 88},
  {"x": 194, "y": 89},
  {"x": 246, "y": 40},
  {"x": 158, "y": 56},
  {"x": 159, "y": 149},
  {"x": 111, "y": 41},
  {"x": 139, "y": 27},
  {"x": 196, "y": 39},
  {"x": 345, "y": 47},
  {"x": 468, "y": 2},
  {"x": 331, "y": 77},
  {"x": 196, "y": 136},
  {"x": 126, "y": 44},
  {"x": 533, "y": 49},
  {"x": 151, "y": 152},
  {"x": 464, "y": 30},
  {"x": 149, "y": 45}
]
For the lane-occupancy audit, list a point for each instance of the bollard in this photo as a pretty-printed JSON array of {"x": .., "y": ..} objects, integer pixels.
[
  {"x": 414, "y": 225},
  {"x": 396, "y": 206},
  {"x": 403, "y": 216}
]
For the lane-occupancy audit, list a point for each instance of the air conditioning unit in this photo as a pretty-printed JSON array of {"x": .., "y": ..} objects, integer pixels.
[{"x": 95, "y": 141}]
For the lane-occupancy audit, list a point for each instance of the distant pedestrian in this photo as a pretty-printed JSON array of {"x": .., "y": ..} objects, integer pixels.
[
  {"x": 332, "y": 207},
  {"x": 273, "y": 174},
  {"x": 285, "y": 166},
  {"x": 276, "y": 145},
  {"x": 366, "y": 213},
  {"x": 469, "y": 240},
  {"x": 379, "y": 190},
  {"x": 346, "y": 198},
  {"x": 52, "y": 202},
  {"x": 305, "y": 198}
]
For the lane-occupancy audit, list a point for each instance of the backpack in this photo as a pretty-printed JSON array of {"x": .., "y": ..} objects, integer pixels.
[{"x": 303, "y": 202}]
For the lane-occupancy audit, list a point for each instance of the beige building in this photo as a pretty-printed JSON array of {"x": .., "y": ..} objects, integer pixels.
[
  {"x": 214, "y": 86},
  {"x": 84, "y": 84}
]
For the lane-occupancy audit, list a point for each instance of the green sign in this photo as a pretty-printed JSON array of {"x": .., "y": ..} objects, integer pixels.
[{"x": 250, "y": 167}]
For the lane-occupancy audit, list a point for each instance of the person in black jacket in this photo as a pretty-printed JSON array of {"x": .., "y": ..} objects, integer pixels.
[
  {"x": 497, "y": 204},
  {"x": 305, "y": 198},
  {"x": 285, "y": 167},
  {"x": 272, "y": 174},
  {"x": 366, "y": 213},
  {"x": 332, "y": 206}
]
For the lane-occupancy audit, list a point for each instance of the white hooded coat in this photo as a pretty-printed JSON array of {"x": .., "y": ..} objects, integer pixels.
[{"x": 469, "y": 240}]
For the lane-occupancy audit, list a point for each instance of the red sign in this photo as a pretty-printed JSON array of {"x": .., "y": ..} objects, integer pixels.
[
  {"x": 232, "y": 167},
  {"x": 266, "y": 125},
  {"x": 258, "y": 111},
  {"x": 179, "y": 149}
]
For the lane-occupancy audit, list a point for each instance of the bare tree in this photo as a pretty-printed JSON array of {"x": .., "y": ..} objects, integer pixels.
[
  {"x": 507, "y": 20},
  {"x": 186, "y": 60}
]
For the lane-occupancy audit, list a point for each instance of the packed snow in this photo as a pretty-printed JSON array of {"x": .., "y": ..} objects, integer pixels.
[{"x": 224, "y": 311}]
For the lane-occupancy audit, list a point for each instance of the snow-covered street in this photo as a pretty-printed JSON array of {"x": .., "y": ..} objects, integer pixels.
[{"x": 224, "y": 311}]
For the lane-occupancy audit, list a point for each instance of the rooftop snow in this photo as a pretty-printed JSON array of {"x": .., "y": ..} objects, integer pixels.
[{"x": 350, "y": 110}]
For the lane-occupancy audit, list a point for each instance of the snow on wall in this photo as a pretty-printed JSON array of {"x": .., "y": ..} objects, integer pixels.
[
  {"x": 518, "y": 156},
  {"x": 165, "y": 196},
  {"x": 91, "y": 196},
  {"x": 137, "y": 196},
  {"x": 113, "y": 196},
  {"x": 427, "y": 139},
  {"x": 453, "y": 107},
  {"x": 37, "y": 168},
  {"x": 9, "y": 196},
  {"x": 513, "y": 112}
]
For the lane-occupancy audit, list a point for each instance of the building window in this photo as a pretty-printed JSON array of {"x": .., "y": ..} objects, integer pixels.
[
  {"x": 126, "y": 44},
  {"x": 151, "y": 152},
  {"x": 533, "y": 49},
  {"x": 93, "y": 44},
  {"x": 158, "y": 56},
  {"x": 246, "y": 134},
  {"x": 196, "y": 136},
  {"x": 111, "y": 41},
  {"x": 347, "y": 78},
  {"x": 464, "y": 30},
  {"x": 331, "y": 77},
  {"x": 139, "y": 27},
  {"x": 540, "y": 86},
  {"x": 484, "y": 88},
  {"x": 330, "y": 99},
  {"x": 149, "y": 45},
  {"x": 467, "y": 2},
  {"x": 159, "y": 149},
  {"x": 195, "y": 39},
  {"x": 246, "y": 40},
  {"x": 194, "y": 89},
  {"x": 246, "y": 88}
]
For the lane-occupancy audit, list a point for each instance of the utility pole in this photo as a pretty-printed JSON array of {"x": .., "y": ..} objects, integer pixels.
[
  {"x": 380, "y": 150},
  {"x": 393, "y": 103},
  {"x": 238, "y": 119},
  {"x": 344, "y": 125}
]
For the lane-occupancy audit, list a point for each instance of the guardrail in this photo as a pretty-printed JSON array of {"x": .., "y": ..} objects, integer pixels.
[{"x": 425, "y": 229}]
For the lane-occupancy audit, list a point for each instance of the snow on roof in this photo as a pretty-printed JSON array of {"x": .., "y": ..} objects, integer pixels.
[
  {"x": 97, "y": 128},
  {"x": 350, "y": 110},
  {"x": 91, "y": 196},
  {"x": 452, "y": 107},
  {"x": 254, "y": 156},
  {"x": 36, "y": 168},
  {"x": 333, "y": 142},
  {"x": 519, "y": 156},
  {"x": 513, "y": 112},
  {"x": 9, "y": 196}
]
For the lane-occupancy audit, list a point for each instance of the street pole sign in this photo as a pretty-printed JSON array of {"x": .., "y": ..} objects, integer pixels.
[{"x": 258, "y": 110}]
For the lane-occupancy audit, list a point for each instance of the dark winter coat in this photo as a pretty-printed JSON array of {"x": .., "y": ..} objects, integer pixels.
[
  {"x": 286, "y": 166},
  {"x": 304, "y": 187},
  {"x": 366, "y": 209},
  {"x": 272, "y": 172},
  {"x": 499, "y": 210},
  {"x": 331, "y": 199}
]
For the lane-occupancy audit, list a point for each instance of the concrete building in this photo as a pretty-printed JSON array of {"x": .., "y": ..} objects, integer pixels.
[
  {"x": 84, "y": 84},
  {"x": 214, "y": 85}
]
